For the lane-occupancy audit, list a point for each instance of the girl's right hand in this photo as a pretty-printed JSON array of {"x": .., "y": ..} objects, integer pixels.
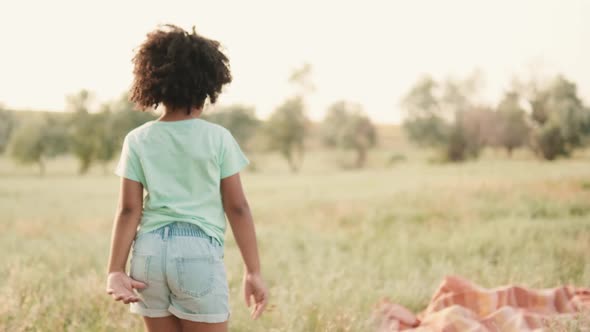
[
  {"x": 120, "y": 286},
  {"x": 255, "y": 286}
]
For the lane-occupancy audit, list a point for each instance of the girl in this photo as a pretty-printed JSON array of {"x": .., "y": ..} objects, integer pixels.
[{"x": 190, "y": 170}]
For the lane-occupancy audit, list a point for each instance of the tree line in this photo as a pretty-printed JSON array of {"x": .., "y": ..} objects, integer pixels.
[
  {"x": 549, "y": 118},
  {"x": 96, "y": 137}
]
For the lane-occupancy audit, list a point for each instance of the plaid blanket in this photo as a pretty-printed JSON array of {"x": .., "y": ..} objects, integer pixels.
[{"x": 460, "y": 305}]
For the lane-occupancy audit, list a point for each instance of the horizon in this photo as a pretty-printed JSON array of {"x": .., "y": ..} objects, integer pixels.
[
  {"x": 373, "y": 61},
  {"x": 313, "y": 121}
]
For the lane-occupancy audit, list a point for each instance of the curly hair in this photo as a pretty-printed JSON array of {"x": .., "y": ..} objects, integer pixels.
[{"x": 178, "y": 69}]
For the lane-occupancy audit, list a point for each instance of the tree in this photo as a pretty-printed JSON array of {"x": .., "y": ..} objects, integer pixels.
[
  {"x": 27, "y": 145},
  {"x": 473, "y": 130},
  {"x": 550, "y": 141},
  {"x": 82, "y": 141},
  {"x": 560, "y": 119},
  {"x": 78, "y": 102},
  {"x": 347, "y": 127},
  {"x": 105, "y": 144},
  {"x": 288, "y": 125},
  {"x": 286, "y": 129},
  {"x": 81, "y": 129},
  {"x": 96, "y": 137},
  {"x": 240, "y": 120},
  {"x": 7, "y": 124},
  {"x": 568, "y": 109},
  {"x": 513, "y": 130},
  {"x": 446, "y": 117},
  {"x": 301, "y": 79},
  {"x": 425, "y": 122},
  {"x": 125, "y": 117},
  {"x": 459, "y": 103},
  {"x": 36, "y": 141}
]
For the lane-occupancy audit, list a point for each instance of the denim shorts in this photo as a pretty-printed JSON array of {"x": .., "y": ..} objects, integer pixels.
[{"x": 184, "y": 272}]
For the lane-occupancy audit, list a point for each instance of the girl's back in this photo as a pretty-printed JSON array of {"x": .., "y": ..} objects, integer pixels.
[{"x": 181, "y": 165}]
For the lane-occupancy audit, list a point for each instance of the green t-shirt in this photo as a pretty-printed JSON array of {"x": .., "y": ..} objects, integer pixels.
[{"x": 181, "y": 164}]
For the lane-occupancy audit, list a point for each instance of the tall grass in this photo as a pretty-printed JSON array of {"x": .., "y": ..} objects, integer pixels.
[{"x": 332, "y": 243}]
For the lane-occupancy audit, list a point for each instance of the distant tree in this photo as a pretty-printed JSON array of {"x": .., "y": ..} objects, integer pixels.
[
  {"x": 82, "y": 140},
  {"x": 240, "y": 120},
  {"x": 571, "y": 113},
  {"x": 105, "y": 145},
  {"x": 125, "y": 117},
  {"x": 97, "y": 137},
  {"x": 335, "y": 120},
  {"x": 446, "y": 117},
  {"x": 27, "y": 145},
  {"x": 288, "y": 125},
  {"x": 286, "y": 129},
  {"x": 473, "y": 130},
  {"x": 7, "y": 124},
  {"x": 585, "y": 126},
  {"x": 460, "y": 95},
  {"x": 301, "y": 79},
  {"x": 81, "y": 129},
  {"x": 560, "y": 119},
  {"x": 92, "y": 139},
  {"x": 512, "y": 127},
  {"x": 539, "y": 104},
  {"x": 56, "y": 134},
  {"x": 78, "y": 102},
  {"x": 459, "y": 102},
  {"x": 425, "y": 123},
  {"x": 550, "y": 141},
  {"x": 36, "y": 141},
  {"x": 347, "y": 127}
]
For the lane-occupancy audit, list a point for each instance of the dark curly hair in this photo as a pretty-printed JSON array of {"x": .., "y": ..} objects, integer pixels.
[{"x": 178, "y": 69}]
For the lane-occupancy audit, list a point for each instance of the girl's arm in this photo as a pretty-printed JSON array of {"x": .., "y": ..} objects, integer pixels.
[
  {"x": 127, "y": 218},
  {"x": 240, "y": 219}
]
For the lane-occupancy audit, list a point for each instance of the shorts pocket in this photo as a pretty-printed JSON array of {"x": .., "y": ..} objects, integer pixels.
[
  {"x": 195, "y": 275},
  {"x": 140, "y": 266}
]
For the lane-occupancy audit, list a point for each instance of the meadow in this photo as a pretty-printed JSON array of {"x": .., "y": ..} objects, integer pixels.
[{"x": 332, "y": 242}]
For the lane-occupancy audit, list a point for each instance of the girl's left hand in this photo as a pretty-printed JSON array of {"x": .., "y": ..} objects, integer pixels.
[{"x": 121, "y": 286}]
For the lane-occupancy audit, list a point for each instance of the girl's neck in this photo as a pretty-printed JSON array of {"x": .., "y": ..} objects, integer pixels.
[{"x": 177, "y": 115}]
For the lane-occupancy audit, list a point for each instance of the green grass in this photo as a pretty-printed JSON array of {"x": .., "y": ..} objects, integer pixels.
[{"x": 332, "y": 242}]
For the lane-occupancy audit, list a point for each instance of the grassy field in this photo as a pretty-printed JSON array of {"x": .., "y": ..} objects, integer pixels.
[{"x": 332, "y": 242}]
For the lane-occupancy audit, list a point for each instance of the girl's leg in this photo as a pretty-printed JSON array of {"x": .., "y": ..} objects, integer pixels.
[
  {"x": 189, "y": 326},
  {"x": 169, "y": 323}
]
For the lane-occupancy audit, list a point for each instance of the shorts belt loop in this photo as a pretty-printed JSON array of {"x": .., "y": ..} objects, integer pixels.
[{"x": 166, "y": 229}]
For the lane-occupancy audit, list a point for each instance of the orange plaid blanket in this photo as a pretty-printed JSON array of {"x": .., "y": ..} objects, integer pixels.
[{"x": 460, "y": 305}]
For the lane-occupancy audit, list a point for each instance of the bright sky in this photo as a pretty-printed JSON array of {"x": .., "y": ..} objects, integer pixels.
[{"x": 366, "y": 51}]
